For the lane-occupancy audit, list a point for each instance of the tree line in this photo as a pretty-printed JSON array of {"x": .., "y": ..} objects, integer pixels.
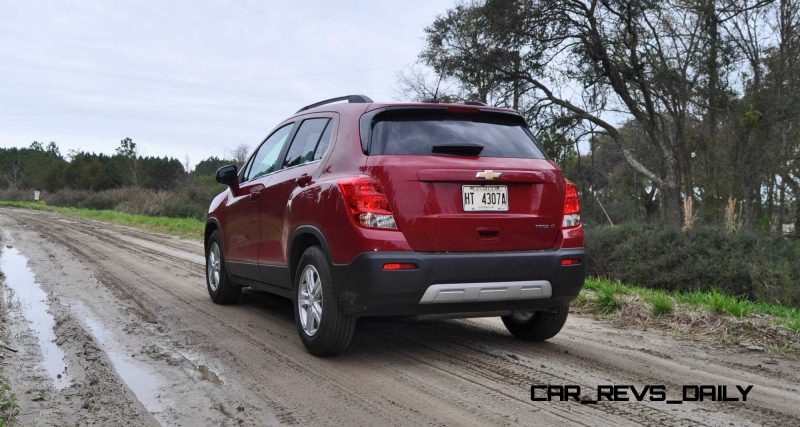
[
  {"x": 43, "y": 167},
  {"x": 675, "y": 111}
]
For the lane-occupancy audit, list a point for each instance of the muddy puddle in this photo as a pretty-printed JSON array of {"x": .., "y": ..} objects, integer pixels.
[
  {"x": 206, "y": 374},
  {"x": 142, "y": 381},
  {"x": 200, "y": 371},
  {"x": 24, "y": 293}
]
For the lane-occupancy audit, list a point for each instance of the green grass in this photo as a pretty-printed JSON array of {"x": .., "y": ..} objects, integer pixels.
[
  {"x": 663, "y": 303},
  {"x": 8, "y": 406},
  {"x": 182, "y": 227},
  {"x": 607, "y": 300},
  {"x": 720, "y": 303},
  {"x": 660, "y": 303}
]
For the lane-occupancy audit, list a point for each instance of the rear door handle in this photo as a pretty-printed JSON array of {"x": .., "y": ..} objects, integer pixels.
[
  {"x": 303, "y": 180},
  {"x": 254, "y": 195}
]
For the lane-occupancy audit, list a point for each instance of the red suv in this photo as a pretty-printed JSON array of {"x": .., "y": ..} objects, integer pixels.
[{"x": 358, "y": 209}]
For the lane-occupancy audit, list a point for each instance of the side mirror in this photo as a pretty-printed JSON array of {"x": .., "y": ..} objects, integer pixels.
[{"x": 228, "y": 175}]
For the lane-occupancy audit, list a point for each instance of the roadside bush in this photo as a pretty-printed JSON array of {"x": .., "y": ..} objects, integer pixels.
[
  {"x": 16, "y": 195},
  {"x": 190, "y": 202},
  {"x": 758, "y": 266},
  {"x": 107, "y": 199}
]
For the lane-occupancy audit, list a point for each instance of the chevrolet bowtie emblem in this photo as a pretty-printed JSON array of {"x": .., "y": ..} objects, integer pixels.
[{"x": 488, "y": 175}]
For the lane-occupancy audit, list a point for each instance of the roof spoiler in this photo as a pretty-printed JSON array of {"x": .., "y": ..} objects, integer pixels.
[{"x": 352, "y": 99}]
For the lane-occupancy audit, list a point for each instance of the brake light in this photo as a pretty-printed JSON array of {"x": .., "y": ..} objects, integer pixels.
[
  {"x": 572, "y": 207},
  {"x": 459, "y": 109},
  {"x": 367, "y": 203}
]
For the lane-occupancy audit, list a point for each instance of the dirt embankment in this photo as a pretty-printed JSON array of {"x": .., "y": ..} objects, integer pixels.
[{"x": 142, "y": 342}]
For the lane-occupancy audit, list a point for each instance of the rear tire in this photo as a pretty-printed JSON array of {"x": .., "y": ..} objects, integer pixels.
[
  {"x": 219, "y": 285},
  {"x": 324, "y": 327},
  {"x": 539, "y": 326}
]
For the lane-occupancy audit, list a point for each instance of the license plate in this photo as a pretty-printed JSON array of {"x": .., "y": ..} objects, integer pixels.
[{"x": 484, "y": 197}]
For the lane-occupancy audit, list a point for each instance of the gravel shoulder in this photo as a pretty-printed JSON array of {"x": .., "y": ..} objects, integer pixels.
[{"x": 143, "y": 343}]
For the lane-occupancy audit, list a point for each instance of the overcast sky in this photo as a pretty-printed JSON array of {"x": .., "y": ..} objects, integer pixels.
[{"x": 189, "y": 77}]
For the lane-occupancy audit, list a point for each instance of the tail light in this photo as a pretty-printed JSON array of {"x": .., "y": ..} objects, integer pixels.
[
  {"x": 572, "y": 207},
  {"x": 367, "y": 203}
]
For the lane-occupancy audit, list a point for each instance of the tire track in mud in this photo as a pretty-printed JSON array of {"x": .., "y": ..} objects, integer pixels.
[
  {"x": 635, "y": 411},
  {"x": 397, "y": 372},
  {"x": 523, "y": 371},
  {"x": 107, "y": 277},
  {"x": 156, "y": 257},
  {"x": 483, "y": 367},
  {"x": 364, "y": 402},
  {"x": 474, "y": 368},
  {"x": 178, "y": 260},
  {"x": 144, "y": 278}
]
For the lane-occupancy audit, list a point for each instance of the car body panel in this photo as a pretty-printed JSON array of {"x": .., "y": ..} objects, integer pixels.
[{"x": 424, "y": 193}]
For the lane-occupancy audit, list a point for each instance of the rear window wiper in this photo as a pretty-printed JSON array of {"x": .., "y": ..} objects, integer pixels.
[{"x": 458, "y": 148}]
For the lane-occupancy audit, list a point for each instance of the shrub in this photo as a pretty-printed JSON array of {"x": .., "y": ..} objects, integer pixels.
[
  {"x": 759, "y": 266},
  {"x": 190, "y": 202},
  {"x": 16, "y": 195}
]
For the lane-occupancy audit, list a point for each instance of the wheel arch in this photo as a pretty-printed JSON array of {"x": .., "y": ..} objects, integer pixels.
[
  {"x": 303, "y": 238},
  {"x": 211, "y": 225}
]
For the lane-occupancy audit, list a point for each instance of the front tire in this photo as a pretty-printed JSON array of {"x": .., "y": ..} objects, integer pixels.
[
  {"x": 537, "y": 325},
  {"x": 219, "y": 285},
  {"x": 324, "y": 327}
]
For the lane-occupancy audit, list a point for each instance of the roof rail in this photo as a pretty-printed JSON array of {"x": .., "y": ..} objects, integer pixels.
[
  {"x": 352, "y": 99},
  {"x": 475, "y": 103},
  {"x": 430, "y": 100}
]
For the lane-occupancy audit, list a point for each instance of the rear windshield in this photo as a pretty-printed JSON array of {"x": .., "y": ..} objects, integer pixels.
[{"x": 417, "y": 134}]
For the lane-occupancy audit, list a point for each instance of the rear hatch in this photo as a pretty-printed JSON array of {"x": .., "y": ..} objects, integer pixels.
[{"x": 465, "y": 181}]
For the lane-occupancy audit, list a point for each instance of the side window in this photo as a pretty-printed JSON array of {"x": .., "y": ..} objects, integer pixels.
[
  {"x": 243, "y": 173},
  {"x": 323, "y": 142},
  {"x": 266, "y": 159},
  {"x": 305, "y": 142}
]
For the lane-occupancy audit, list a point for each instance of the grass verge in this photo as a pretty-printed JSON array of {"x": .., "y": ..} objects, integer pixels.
[
  {"x": 8, "y": 406},
  {"x": 189, "y": 228},
  {"x": 722, "y": 317}
]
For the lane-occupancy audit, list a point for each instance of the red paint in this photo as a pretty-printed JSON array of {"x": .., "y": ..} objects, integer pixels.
[{"x": 422, "y": 192}]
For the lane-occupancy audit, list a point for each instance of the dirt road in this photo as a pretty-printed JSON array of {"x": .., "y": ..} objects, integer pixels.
[{"x": 141, "y": 342}]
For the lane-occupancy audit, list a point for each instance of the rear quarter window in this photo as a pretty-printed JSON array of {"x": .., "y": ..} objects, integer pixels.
[{"x": 416, "y": 134}]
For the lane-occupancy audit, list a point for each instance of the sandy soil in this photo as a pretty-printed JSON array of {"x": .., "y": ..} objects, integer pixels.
[{"x": 143, "y": 344}]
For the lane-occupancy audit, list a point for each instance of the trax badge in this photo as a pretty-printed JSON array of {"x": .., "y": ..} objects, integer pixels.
[{"x": 488, "y": 175}]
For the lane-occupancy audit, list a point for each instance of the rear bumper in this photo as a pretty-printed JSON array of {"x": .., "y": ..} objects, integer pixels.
[{"x": 452, "y": 283}]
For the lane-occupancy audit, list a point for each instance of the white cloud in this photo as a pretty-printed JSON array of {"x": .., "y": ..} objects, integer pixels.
[{"x": 191, "y": 77}]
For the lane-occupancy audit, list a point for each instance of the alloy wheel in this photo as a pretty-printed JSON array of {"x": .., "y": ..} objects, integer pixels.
[
  {"x": 213, "y": 267},
  {"x": 309, "y": 300}
]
